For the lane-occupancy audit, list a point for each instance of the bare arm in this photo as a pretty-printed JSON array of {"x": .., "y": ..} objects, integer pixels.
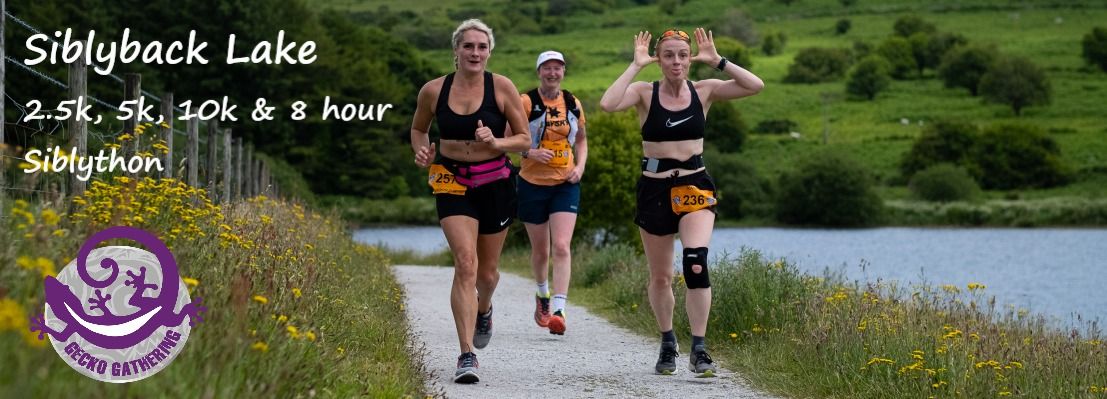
[
  {"x": 622, "y": 94},
  {"x": 742, "y": 83},
  {"x": 581, "y": 155},
  {"x": 518, "y": 138},
  {"x": 420, "y": 125}
]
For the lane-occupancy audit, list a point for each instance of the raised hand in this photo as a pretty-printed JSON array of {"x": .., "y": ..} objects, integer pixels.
[
  {"x": 425, "y": 156},
  {"x": 484, "y": 134},
  {"x": 642, "y": 49},
  {"x": 705, "y": 43}
]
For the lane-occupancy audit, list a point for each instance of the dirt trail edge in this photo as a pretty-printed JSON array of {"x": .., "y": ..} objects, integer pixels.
[{"x": 594, "y": 359}]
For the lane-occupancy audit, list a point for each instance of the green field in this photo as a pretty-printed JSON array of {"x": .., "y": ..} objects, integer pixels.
[{"x": 598, "y": 47}]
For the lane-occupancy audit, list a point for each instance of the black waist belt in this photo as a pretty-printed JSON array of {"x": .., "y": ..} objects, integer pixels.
[{"x": 664, "y": 164}]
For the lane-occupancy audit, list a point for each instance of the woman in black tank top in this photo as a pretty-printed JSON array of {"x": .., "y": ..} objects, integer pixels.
[
  {"x": 474, "y": 195},
  {"x": 675, "y": 193}
]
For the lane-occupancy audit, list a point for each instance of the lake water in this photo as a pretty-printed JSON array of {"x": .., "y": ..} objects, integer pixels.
[{"x": 1056, "y": 272}]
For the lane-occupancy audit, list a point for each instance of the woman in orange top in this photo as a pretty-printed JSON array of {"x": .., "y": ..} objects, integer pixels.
[{"x": 549, "y": 187}]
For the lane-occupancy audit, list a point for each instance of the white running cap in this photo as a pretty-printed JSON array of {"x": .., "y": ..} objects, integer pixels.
[{"x": 549, "y": 55}]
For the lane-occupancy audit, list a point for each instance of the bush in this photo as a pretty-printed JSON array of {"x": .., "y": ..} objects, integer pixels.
[
  {"x": 941, "y": 142},
  {"x": 742, "y": 192},
  {"x": 607, "y": 197},
  {"x": 1015, "y": 156},
  {"x": 869, "y": 77},
  {"x": 737, "y": 24},
  {"x": 774, "y": 43},
  {"x": 817, "y": 65},
  {"x": 897, "y": 51},
  {"x": 776, "y": 126},
  {"x": 928, "y": 49},
  {"x": 1095, "y": 47},
  {"x": 943, "y": 183},
  {"x": 726, "y": 130},
  {"x": 842, "y": 26},
  {"x": 909, "y": 25},
  {"x": 964, "y": 66},
  {"x": 828, "y": 189},
  {"x": 1017, "y": 82}
]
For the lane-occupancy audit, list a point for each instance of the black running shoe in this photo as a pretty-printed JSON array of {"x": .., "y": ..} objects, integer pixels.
[
  {"x": 700, "y": 362},
  {"x": 666, "y": 362},
  {"x": 467, "y": 368},
  {"x": 483, "y": 331}
]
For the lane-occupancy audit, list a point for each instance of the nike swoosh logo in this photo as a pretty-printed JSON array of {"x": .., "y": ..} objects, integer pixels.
[
  {"x": 670, "y": 123},
  {"x": 505, "y": 221}
]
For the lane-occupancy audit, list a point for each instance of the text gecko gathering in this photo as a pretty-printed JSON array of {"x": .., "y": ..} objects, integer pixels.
[{"x": 67, "y": 50}]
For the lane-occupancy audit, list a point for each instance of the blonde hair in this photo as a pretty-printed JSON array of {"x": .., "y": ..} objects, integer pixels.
[{"x": 474, "y": 24}]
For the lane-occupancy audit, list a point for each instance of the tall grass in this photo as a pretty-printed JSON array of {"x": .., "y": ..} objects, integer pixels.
[
  {"x": 295, "y": 307},
  {"x": 807, "y": 336}
]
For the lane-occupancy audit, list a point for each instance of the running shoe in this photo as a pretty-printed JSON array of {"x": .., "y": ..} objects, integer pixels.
[
  {"x": 557, "y": 323},
  {"x": 483, "y": 331},
  {"x": 699, "y": 362},
  {"x": 542, "y": 310},
  {"x": 666, "y": 362},
  {"x": 467, "y": 366}
]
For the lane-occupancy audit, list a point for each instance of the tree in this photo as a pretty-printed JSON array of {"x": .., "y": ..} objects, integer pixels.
[
  {"x": 737, "y": 24},
  {"x": 726, "y": 130},
  {"x": 941, "y": 142},
  {"x": 842, "y": 26},
  {"x": 897, "y": 51},
  {"x": 1015, "y": 81},
  {"x": 1017, "y": 156},
  {"x": 774, "y": 43},
  {"x": 869, "y": 77},
  {"x": 943, "y": 182},
  {"x": 611, "y": 177},
  {"x": 908, "y": 25},
  {"x": 1095, "y": 47},
  {"x": 828, "y": 189},
  {"x": 928, "y": 48},
  {"x": 816, "y": 65},
  {"x": 965, "y": 65}
]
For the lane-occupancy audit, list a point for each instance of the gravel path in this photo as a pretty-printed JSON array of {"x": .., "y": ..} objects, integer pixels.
[{"x": 594, "y": 359}]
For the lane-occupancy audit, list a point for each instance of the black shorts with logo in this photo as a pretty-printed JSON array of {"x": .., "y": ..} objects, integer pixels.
[
  {"x": 655, "y": 212},
  {"x": 492, "y": 205}
]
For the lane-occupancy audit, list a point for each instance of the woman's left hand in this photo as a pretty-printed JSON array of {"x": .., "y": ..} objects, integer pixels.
[
  {"x": 705, "y": 43},
  {"x": 575, "y": 174}
]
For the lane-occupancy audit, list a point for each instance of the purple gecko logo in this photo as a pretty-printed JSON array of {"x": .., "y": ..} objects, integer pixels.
[{"x": 124, "y": 334}]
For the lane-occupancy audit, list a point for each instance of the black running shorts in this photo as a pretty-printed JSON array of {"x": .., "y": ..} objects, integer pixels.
[
  {"x": 492, "y": 205},
  {"x": 655, "y": 213}
]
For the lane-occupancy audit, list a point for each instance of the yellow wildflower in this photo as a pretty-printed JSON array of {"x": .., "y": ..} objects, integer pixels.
[
  {"x": 292, "y": 331},
  {"x": 282, "y": 318},
  {"x": 260, "y": 346},
  {"x": 191, "y": 281},
  {"x": 50, "y": 217},
  {"x": 310, "y": 336},
  {"x": 261, "y": 299},
  {"x": 296, "y": 293},
  {"x": 876, "y": 360},
  {"x": 733, "y": 335},
  {"x": 976, "y": 286}
]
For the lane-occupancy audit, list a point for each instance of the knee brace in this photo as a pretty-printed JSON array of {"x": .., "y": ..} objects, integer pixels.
[{"x": 696, "y": 256}]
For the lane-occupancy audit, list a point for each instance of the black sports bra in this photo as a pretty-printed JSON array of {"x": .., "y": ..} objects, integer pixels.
[
  {"x": 463, "y": 127},
  {"x": 665, "y": 125}
]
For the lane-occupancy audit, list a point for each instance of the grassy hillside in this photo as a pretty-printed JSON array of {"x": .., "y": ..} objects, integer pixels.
[{"x": 598, "y": 46}]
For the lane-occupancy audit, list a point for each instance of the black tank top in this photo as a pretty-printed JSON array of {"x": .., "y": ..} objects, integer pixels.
[
  {"x": 463, "y": 127},
  {"x": 665, "y": 125}
]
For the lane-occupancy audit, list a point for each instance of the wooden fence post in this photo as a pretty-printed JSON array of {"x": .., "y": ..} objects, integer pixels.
[
  {"x": 167, "y": 133},
  {"x": 237, "y": 195},
  {"x": 247, "y": 175},
  {"x": 132, "y": 90},
  {"x": 78, "y": 127},
  {"x": 192, "y": 152},
  {"x": 210, "y": 168},
  {"x": 228, "y": 173}
]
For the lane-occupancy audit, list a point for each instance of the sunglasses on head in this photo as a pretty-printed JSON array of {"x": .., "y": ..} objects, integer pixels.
[{"x": 674, "y": 33}]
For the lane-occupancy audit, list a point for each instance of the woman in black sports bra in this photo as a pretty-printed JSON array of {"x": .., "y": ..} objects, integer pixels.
[
  {"x": 470, "y": 178},
  {"x": 675, "y": 193}
]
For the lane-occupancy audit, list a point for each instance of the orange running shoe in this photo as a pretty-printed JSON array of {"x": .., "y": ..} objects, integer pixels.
[
  {"x": 557, "y": 323},
  {"x": 542, "y": 310}
]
